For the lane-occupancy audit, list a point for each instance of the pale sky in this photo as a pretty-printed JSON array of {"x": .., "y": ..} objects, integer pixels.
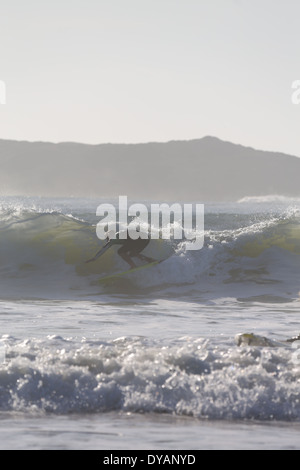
[{"x": 127, "y": 71}]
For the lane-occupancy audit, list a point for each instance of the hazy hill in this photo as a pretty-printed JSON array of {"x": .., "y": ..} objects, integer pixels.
[{"x": 201, "y": 170}]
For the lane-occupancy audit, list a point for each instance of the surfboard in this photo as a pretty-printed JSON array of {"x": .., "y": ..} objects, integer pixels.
[{"x": 129, "y": 271}]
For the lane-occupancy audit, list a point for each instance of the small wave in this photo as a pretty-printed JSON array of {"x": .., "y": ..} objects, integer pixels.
[{"x": 269, "y": 199}]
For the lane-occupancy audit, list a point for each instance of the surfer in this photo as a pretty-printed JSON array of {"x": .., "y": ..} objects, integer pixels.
[
  {"x": 132, "y": 249},
  {"x": 129, "y": 249}
]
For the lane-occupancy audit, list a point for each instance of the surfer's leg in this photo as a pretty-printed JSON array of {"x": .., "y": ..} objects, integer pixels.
[
  {"x": 123, "y": 252},
  {"x": 137, "y": 246},
  {"x": 145, "y": 258},
  {"x": 133, "y": 248}
]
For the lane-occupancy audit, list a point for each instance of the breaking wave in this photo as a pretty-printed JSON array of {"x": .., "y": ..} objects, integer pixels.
[
  {"x": 44, "y": 251},
  {"x": 190, "y": 377}
]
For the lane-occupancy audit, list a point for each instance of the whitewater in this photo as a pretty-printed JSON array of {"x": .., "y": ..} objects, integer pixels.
[{"x": 189, "y": 354}]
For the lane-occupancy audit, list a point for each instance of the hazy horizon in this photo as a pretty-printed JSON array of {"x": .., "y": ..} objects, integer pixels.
[
  {"x": 206, "y": 169},
  {"x": 149, "y": 142}
]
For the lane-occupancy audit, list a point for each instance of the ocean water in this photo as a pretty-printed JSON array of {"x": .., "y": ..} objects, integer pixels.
[{"x": 189, "y": 354}]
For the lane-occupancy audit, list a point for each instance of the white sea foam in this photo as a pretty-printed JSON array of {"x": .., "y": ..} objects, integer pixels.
[{"x": 193, "y": 377}]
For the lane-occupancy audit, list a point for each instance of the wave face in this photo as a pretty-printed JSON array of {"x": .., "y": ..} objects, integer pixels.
[{"x": 43, "y": 253}]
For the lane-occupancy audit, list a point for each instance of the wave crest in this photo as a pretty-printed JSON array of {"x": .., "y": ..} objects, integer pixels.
[{"x": 41, "y": 250}]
